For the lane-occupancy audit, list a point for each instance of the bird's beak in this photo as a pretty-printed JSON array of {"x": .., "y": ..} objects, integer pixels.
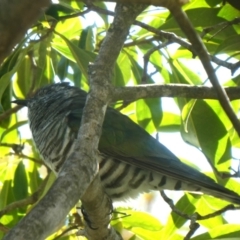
[{"x": 21, "y": 102}]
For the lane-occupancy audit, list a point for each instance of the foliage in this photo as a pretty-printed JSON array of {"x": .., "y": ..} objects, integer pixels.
[{"x": 60, "y": 47}]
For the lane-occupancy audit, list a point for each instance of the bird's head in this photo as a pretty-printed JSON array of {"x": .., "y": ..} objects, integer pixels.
[
  {"x": 52, "y": 101},
  {"x": 46, "y": 95},
  {"x": 21, "y": 102}
]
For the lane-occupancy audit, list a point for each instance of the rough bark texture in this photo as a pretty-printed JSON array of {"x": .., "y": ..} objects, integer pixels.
[
  {"x": 76, "y": 177},
  {"x": 15, "y": 19},
  {"x": 171, "y": 90},
  {"x": 100, "y": 77}
]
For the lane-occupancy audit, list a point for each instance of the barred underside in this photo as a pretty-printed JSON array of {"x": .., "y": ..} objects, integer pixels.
[
  {"x": 54, "y": 143},
  {"x": 120, "y": 180},
  {"x": 54, "y": 116}
]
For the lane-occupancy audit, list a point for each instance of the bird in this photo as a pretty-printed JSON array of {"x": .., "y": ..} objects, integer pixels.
[{"x": 131, "y": 160}]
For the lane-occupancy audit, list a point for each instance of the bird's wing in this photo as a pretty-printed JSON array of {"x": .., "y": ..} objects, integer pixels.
[{"x": 126, "y": 141}]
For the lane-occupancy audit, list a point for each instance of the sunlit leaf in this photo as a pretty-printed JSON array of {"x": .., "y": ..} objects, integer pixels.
[
  {"x": 20, "y": 183},
  {"x": 23, "y": 76},
  {"x": 12, "y": 128},
  {"x": 224, "y": 232},
  {"x": 187, "y": 206},
  {"x": 202, "y": 123},
  {"x": 60, "y": 46},
  {"x": 74, "y": 53},
  {"x": 131, "y": 219}
]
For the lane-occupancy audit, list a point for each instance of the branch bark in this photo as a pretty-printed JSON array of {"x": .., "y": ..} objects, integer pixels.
[
  {"x": 133, "y": 93},
  {"x": 180, "y": 16},
  {"x": 171, "y": 90},
  {"x": 100, "y": 76},
  {"x": 79, "y": 179},
  {"x": 15, "y": 19}
]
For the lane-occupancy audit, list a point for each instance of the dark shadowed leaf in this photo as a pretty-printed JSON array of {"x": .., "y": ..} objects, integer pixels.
[{"x": 20, "y": 183}]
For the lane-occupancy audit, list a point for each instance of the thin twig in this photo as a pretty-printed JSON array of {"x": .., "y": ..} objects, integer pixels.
[
  {"x": 133, "y": 93},
  {"x": 220, "y": 26},
  {"x": 168, "y": 36},
  {"x": 55, "y": 21},
  {"x": 3, "y": 228},
  {"x": 148, "y": 55},
  {"x": 66, "y": 231},
  {"x": 17, "y": 151},
  {"x": 77, "y": 14},
  {"x": 9, "y": 112},
  {"x": 27, "y": 201},
  {"x": 201, "y": 50},
  {"x": 195, "y": 216}
]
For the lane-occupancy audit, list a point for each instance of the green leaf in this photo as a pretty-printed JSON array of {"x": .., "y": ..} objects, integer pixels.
[
  {"x": 201, "y": 3},
  {"x": 209, "y": 17},
  {"x": 12, "y": 128},
  {"x": 187, "y": 206},
  {"x": 69, "y": 28},
  {"x": 229, "y": 45},
  {"x": 146, "y": 234},
  {"x": 24, "y": 77},
  {"x": 87, "y": 40},
  {"x": 62, "y": 68},
  {"x": 33, "y": 177},
  {"x": 184, "y": 74},
  {"x": 170, "y": 122},
  {"x": 72, "y": 4},
  {"x": 202, "y": 123},
  {"x": 6, "y": 104},
  {"x": 122, "y": 73},
  {"x": 223, "y": 232},
  {"x": 155, "y": 107},
  {"x": 137, "y": 70},
  {"x": 74, "y": 53},
  {"x": 6, "y": 71},
  {"x": 137, "y": 219},
  {"x": 118, "y": 78},
  {"x": 20, "y": 183},
  {"x": 144, "y": 116},
  {"x": 207, "y": 205},
  {"x": 6, "y": 194},
  {"x": 58, "y": 10},
  {"x": 77, "y": 78}
]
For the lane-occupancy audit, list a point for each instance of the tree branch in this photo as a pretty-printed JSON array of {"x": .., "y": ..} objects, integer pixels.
[
  {"x": 133, "y": 93},
  {"x": 100, "y": 76},
  {"x": 171, "y": 90},
  {"x": 169, "y": 36},
  {"x": 195, "y": 216},
  {"x": 15, "y": 19},
  {"x": 27, "y": 201},
  {"x": 75, "y": 180},
  {"x": 9, "y": 112},
  {"x": 187, "y": 28}
]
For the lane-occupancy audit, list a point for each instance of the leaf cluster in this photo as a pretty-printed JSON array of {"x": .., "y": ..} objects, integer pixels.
[{"x": 60, "y": 46}]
